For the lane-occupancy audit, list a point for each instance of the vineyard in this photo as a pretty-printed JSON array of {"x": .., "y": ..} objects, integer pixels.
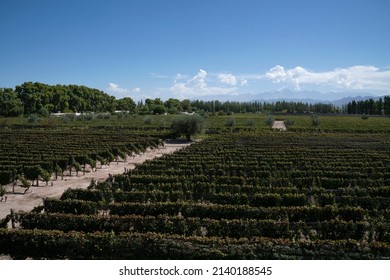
[
  {"x": 33, "y": 154},
  {"x": 246, "y": 195}
]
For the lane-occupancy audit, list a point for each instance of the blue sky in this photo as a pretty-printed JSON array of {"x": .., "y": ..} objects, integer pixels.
[{"x": 198, "y": 49}]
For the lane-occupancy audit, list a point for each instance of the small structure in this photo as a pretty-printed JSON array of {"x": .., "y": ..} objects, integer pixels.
[
  {"x": 59, "y": 114},
  {"x": 279, "y": 125}
]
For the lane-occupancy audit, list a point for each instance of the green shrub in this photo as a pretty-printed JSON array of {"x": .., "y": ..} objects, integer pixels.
[
  {"x": 187, "y": 125},
  {"x": 230, "y": 122}
]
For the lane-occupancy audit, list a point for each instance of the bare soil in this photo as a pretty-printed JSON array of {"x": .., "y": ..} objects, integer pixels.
[{"x": 19, "y": 201}]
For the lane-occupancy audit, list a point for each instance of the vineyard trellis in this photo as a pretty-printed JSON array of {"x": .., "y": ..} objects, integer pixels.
[
  {"x": 249, "y": 195},
  {"x": 36, "y": 154}
]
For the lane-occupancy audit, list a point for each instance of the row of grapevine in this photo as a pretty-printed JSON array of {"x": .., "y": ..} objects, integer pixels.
[
  {"x": 239, "y": 196},
  {"x": 373, "y": 198},
  {"x": 195, "y": 226},
  {"x": 36, "y": 154},
  {"x": 53, "y": 244}
]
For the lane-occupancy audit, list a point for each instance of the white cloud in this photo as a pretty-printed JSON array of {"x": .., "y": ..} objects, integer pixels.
[
  {"x": 197, "y": 86},
  {"x": 115, "y": 88},
  {"x": 136, "y": 90},
  {"x": 352, "y": 78},
  {"x": 244, "y": 83},
  {"x": 227, "y": 79},
  {"x": 181, "y": 88},
  {"x": 277, "y": 74},
  {"x": 198, "y": 81}
]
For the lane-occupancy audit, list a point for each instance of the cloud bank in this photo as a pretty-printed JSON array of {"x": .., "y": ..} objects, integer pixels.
[
  {"x": 356, "y": 78},
  {"x": 227, "y": 79},
  {"x": 352, "y": 78},
  {"x": 302, "y": 81},
  {"x": 198, "y": 85}
]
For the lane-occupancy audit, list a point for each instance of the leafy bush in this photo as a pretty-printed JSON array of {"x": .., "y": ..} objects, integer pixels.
[
  {"x": 250, "y": 122},
  {"x": 315, "y": 120},
  {"x": 187, "y": 125},
  {"x": 289, "y": 122},
  {"x": 230, "y": 122},
  {"x": 148, "y": 120},
  {"x": 33, "y": 119},
  {"x": 270, "y": 121}
]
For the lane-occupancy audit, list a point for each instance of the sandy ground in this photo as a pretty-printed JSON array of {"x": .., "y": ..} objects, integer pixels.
[
  {"x": 279, "y": 125},
  {"x": 33, "y": 197}
]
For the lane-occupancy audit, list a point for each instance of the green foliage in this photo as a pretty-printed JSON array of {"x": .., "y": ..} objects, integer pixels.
[
  {"x": 250, "y": 122},
  {"x": 148, "y": 120},
  {"x": 315, "y": 120},
  {"x": 45, "y": 174},
  {"x": 43, "y": 112},
  {"x": 173, "y": 106},
  {"x": 62, "y": 98},
  {"x": 369, "y": 106},
  {"x": 270, "y": 121},
  {"x": 2, "y": 190},
  {"x": 158, "y": 109},
  {"x": 126, "y": 104},
  {"x": 25, "y": 184},
  {"x": 10, "y": 104},
  {"x": 230, "y": 122},
  {"x": 5, "y": 176},
  {"x": 187, "y": 125},
  {"x": 257, "y": 107},
  {"x": 289, "y": 122},
  {"x": 34, "y": 118},
  {"x": 251, "y": 194},
  {"x": 29, "y": 153},
  {"x": 56, "y": 244}
]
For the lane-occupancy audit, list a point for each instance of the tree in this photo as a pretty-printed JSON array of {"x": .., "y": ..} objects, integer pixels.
[
  {"x": 10, "y": 104},
  {"x": 386, "y": 105},
  {"x": 186, "y": 105},
  {"x": 32, "y": 173},
  {"x": 173, "y": 105},
  {"x": 158, "y": 109},
  {"x": 125, "y": 104},
  {"x": 187, "y": 125}
]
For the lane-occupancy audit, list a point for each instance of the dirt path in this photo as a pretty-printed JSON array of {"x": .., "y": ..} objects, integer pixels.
[
  {"x": 33, "y": 197},
  {"x": 279, "y": 125}
]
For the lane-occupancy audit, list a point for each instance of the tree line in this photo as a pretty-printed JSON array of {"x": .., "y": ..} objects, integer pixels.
[
  {"x": 259, "y": 106},
  {"x": 38, "y": 98},
  {"x": 370, "y": 106}
]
